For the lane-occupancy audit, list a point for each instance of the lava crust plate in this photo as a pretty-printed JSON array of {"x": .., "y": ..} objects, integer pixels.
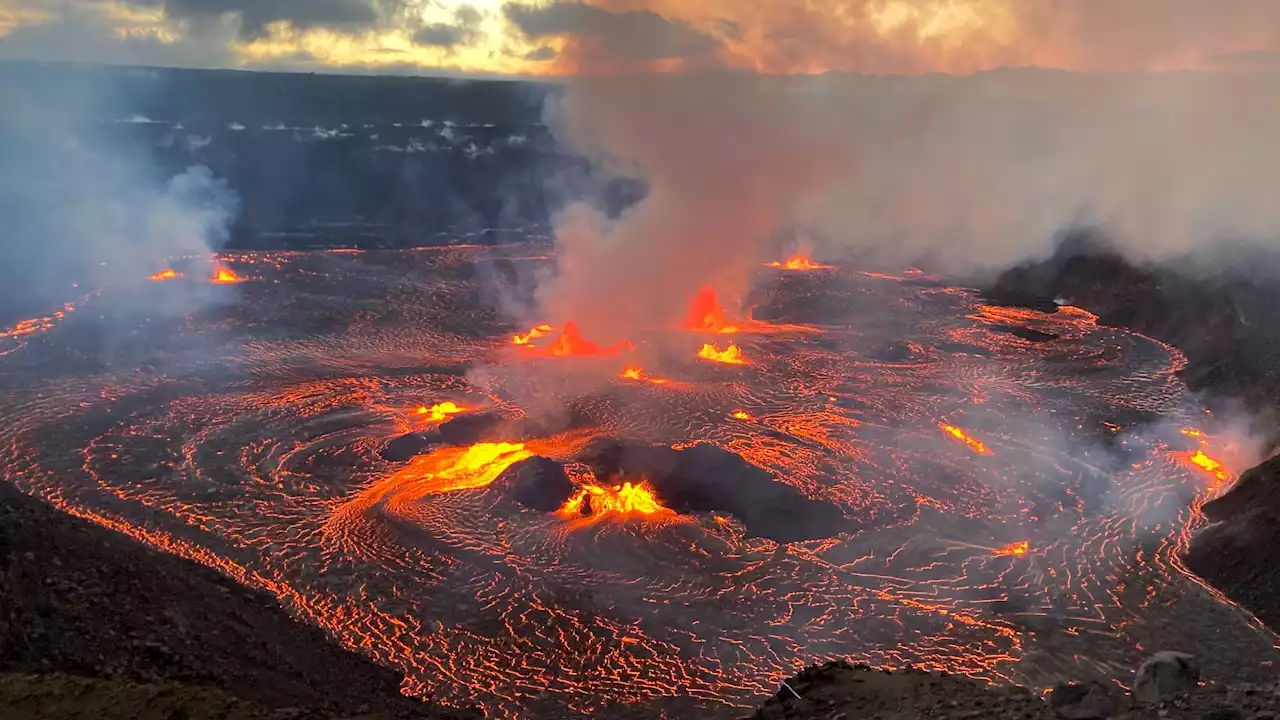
[{"x": 1011, "y": 510}]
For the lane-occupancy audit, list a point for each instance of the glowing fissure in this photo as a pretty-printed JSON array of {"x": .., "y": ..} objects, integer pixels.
[{"x": 965, "y": 438}]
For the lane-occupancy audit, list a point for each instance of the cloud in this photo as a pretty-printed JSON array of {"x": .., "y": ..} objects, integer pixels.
[
  {"x": 630, "y": 35},
  {"x": 542, "y": 54},
  {"x": 464, "y": 29},
  {"x": 256, "y": 15}
]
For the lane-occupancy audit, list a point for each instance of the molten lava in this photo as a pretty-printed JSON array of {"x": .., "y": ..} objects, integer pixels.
[
  {"x": 453, "y": 468},
  {"x": 798, "y": 262},
  {"x": 571, "y": 342},
  {"x": 1209, "y": 465},
  {"x": 224, "y": 276},
  {"x": 964, "y": 437},
  {"x": 624, "y": 499},
  {"x": 169, "y": 274},
  {"x": 634, "y": 372},
  {"x": 1017, "y": 548},
  {"x": 534, "y": 333},
  {"x": 731, "y": 355},
  {"x": 706, "y": 315},
  {"x": 740, "y": 415},
  {"x": 440, "y": 411}
]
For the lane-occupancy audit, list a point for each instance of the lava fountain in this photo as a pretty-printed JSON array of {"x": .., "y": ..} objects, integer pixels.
[
  {"x": 731, "y": 355},
  {"x": 440, "y": 411},
  {"x": 224, "y": 276},
  {"x": 797, "y": 262},
  {"x": 706, "y": 315}
]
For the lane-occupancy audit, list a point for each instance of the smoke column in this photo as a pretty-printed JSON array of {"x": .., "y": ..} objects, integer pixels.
[
  {"x": 82, "y": 203},
  {"x": 972, "y": 173}
]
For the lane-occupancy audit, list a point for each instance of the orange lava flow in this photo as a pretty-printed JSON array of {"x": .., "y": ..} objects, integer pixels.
[
  {"x": 740, "y": 415},
  {"x": 534, "y": 333},
  {"x": 224, "y": 276},
  {"x": 36, "y": 325},
  {"x": 1209, "y": 465},
  {"x": 706, "y": 315},
  {"x": 1017, "y": 548},
  {"x": 964, "y": 437},
  {"x": 624, "y": 499},
  {"x": 798, "y": 262},
  {"x": 731, "y": 355},
  {"x": 168, "y": 274},
  {"x": 440, "y": 411},
  {"x": 450, "y": 469}
]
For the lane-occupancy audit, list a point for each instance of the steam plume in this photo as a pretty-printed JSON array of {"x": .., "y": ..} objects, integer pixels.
[
  {"x": 972, "y": 172},
  {"x": 83, "y": 204}
]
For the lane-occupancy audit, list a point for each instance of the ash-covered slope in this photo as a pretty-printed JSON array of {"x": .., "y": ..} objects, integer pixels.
[
  {"x": 1221, "y": 319},
  {"x": 79, "y": 599}
]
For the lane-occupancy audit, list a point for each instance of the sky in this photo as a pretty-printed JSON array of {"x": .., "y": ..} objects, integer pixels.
[{"x": 605, "y": 37}]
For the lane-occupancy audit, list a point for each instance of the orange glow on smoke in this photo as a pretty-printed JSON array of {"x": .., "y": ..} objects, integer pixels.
[
  {"x": 534, "y": 333},
  {"x": 740, "y": 415},
  {"x": 731, "y": 355},
  {"x": 450, "y": 469},
  {"x": 798, "y": 262},
  {"x": 440, "y": 411},
  {"x": 169, "y": 274},
  {"x": 706, "y": 315},
  {"x": 964, "y": 437},
  {"x": 571, "y": 342},
  {"x": 624, "y": 499},
  {"x": 224, "y": 276},
  {"x": 1018, "y": 548}
]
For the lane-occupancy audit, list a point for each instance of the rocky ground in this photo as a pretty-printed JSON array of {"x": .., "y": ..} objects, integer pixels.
[
  {"x": 82, "y": 600},
  {"x": 840, "y": 691}
]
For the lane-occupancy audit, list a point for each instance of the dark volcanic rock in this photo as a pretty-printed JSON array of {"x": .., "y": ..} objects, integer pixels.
[
  {"x": 406, "y": 447},
  {"x": 1216, "y": 312},
  {"x": 1234, "y": 553},
  {"x": 704, "y": 478},
  {"x": 81, "y": 599},
  {"x": 538, "y": 483},
  {"x": 1082, "y": 701}
]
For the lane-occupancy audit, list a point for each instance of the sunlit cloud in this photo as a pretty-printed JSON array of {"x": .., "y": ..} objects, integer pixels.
[{"x": 602, "y": 37}]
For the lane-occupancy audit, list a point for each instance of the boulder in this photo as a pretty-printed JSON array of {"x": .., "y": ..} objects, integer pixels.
[
  {"x": 406, "y": 447},
  {"x": 1082, "y": 701},
  {"x": 538, "y": 483},
  {"x": 1166, "y": 676}
]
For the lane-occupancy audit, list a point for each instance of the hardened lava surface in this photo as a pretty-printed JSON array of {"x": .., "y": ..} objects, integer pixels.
[{"x": 1016, "y": 485}]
